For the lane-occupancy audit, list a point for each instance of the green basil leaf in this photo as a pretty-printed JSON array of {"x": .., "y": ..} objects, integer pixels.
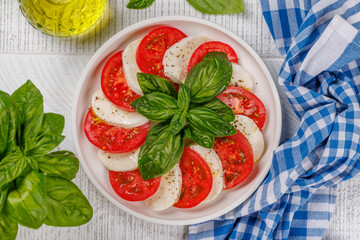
[
  {"x": 32, "y": 163},
  {"x": 160, "y": 152},
  {"x": 221, "y": 108},
  {"x": 151, "y": 83},
  {"x": 30, "y": 103},
  {"x": 155, "y": 106},
  {"x": 8, "y": 228},
  {"x": 52, "y": 124},
  {"x": 66, "y": 204},
  {"x": 209, "y": 122},
  {"x": 183, "y": 97},
  {"x": 11, "y": 167},
  {"x": 45, "y": 145},
  {"x": 204, "y": 140},
  {"x": 27, "y": 203},
  {"x": 139, "y": 4},
  {"x": 218, "y": 6},
  {"x": 178, "y": 122},
  {"x": 3, "y": 195},
  {"x": 209, "y": 78},
  {"x": 4, "y": 124},
  {"x": 62, "y": 163},
  {"x": 9, "y": 124}
]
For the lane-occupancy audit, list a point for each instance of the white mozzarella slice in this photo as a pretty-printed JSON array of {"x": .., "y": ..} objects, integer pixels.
[
  {"x": 119, "y": 162},
  {"x": 214, "y": 162},
  {"x": 241, "y": 77},
  {"x": 253, "y": 134},
  {"x": 177, "y": 57},
  {"x": 110, "y": 113},
  {"x": 130, "y": 66},
  {"x": 168, "y": 192}
]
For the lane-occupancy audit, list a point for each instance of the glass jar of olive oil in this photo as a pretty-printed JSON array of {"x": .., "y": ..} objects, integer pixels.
[{"x": 62, "y": 18}]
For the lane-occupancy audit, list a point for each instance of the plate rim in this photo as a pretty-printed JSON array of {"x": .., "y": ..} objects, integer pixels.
[{"x": 146, "y": 23}]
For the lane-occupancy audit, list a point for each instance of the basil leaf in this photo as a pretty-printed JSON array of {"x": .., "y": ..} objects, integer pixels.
[
  {"x": 66, "y": 205},
  {"x": 218, "y": 6},
  {"x": 11, "y": 167},
  {"x": 30, "y": 104},
  {"x": 150, "y": 83},
  {"x": 221, "y": 108},
  {"x": 183, "y": 97},
  {"x": 204, "y": 140},
  {"x": 139, "y": 4},
  {"x": 27, "y": 203},
  {"x": 3, "y": 195},
  {"x": 9, "y": 124},
  {"x": 32, "y": 163},
  {"x": 209, "y": 78},
  {"x": 178, "y": 122},
  {"x": 8, "y": 228},
  {"x": 209, "y": 122},
  {"x": 4, "y": 124},
  {"x": 160, "y": 152},
  {"x": 155, "y": 106},
  {"x": 62, "y": 163},
  {"x": 45, "y": 145},
  {"x": 52, "y": 124}
]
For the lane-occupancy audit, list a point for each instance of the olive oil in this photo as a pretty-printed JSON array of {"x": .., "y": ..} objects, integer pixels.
[{"x": 62, "y": 18}]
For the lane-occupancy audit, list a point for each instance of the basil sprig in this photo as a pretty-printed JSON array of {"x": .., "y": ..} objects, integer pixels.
[
  {"x": 194, "y": 113},
  {"x": 35, "y": 183}
]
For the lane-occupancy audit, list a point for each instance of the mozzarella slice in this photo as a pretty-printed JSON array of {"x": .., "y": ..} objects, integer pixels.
[
  {"x": 168, "y": 192},
  {"x": 130, "y": 66},
  {"x": 214, "y": 162},
  {"x": 177, "y": 57},
  {"x": 241, "y": 77},
  {"x": 113, "y": 115},
  {"x": 119, "y": 162},
  {"x": 253, "y": 134}
]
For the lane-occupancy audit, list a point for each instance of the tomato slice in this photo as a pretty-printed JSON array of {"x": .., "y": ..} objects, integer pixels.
[
  {"x": 114, "y": 85},
  {"x": 236, "y": 156},
  {"x": 131, "y": 187},
  {"x": 112, "y": 138},
  {"x": 213, "y": 46},
  {"x": 150, "y": 53},
  {"x": 245, "y": 103},
  {"x": 196, "y": 179}
]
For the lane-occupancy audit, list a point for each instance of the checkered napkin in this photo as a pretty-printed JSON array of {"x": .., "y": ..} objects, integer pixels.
[{"x": 321, "y": 77}]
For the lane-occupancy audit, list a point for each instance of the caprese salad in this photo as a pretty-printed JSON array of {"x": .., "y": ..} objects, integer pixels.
[{"x": 175, "y": 121}]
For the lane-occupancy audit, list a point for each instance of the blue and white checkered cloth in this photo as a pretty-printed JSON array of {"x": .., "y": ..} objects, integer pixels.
[{"x": 320, "y": 40}]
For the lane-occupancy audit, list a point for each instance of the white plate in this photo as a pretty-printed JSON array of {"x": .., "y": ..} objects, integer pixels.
[{"x": 264, "y": 88}]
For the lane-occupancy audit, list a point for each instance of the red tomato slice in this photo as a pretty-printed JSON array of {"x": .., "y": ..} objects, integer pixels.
[
  {"x": 131, "y": 187},
  {"x": 237, "y": 158},
  {"x": 196, "y": 179},
  {"x": 213, "y": 46},
  {"x": 150, "y": 53},
  {"x": 114, "y": 85},
  {"x": 245, "y": 103},
  {"x": 112, "y": 138}
]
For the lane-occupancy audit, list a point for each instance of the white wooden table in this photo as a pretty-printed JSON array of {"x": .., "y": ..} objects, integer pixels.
[{"x": 55, "y": 65}]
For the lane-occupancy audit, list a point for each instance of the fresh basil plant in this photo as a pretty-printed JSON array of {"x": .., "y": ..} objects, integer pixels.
[
  {"x": 194, "y": 113},
  {"x": 35, "y": 183}
]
